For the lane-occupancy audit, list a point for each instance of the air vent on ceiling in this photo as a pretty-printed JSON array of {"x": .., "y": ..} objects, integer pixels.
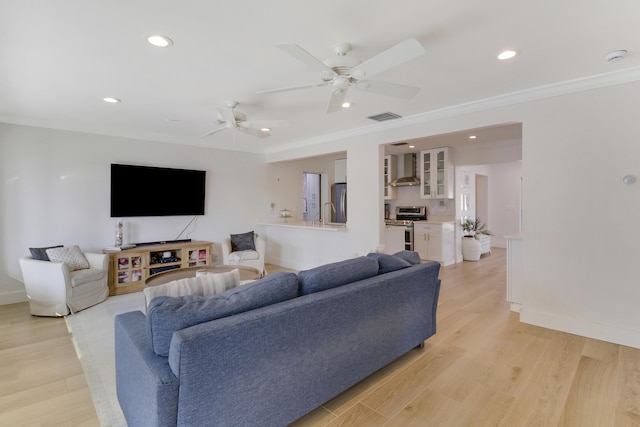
[{"x": 384, "y": 117}]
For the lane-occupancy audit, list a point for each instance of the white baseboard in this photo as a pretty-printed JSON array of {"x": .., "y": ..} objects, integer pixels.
[
  {"x": 13, "y": 297},
  {"x": 582, "y": 327}
]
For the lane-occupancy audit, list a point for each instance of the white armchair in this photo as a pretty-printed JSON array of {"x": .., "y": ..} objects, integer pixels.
[
  {"x": 54, "y": 290},
  {"x": 248, "y": 258}
]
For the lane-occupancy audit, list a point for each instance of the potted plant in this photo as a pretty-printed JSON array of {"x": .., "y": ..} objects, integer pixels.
[{"x": 471, "y": 248}]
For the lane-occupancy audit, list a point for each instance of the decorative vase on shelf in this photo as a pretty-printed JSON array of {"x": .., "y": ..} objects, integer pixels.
[{"x": 119, "y": 233}]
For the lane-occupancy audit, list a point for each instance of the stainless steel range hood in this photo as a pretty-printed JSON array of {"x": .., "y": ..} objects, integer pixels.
[{"x": 406, "y": 171}]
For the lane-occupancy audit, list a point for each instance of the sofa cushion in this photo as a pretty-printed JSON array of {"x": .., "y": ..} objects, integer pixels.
[
  {"x": 388, "y": 263},
  {"x": 41, "y": 253},
  {"x": 242, "y": 242},
  {"x": 411, "y": 257},
  {"x": 86, "y": 275},
  {"x": 70, "y": 255},
  {"x": 204, "y": 285},
  {"x": 165, "y": 314},
  {"x": 336, "y": 274},
  {"x": 243, "y": 255}
]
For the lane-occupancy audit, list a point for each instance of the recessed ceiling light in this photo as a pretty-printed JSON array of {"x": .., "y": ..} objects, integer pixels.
[
  {"x": 346, "y": 104},
  {"x": 412, "y": 146},
  {"x": 472, "y": 137},
  {"x": 266, "y": 129},
  {"x": 507, "y": 54},
  {"x": 111, "y": 100},
  {"x": 159, "y": 40}
]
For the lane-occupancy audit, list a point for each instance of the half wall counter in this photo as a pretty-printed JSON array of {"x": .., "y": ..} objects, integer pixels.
[
  {"x": 307, "y": 225},
  {"x": 303, "y": 245}
]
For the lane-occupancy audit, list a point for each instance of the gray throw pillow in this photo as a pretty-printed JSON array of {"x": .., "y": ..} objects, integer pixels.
[
  {"x": 412, "y": 257},
  {"x": 336, "y": 274},
  {"x": 389, "y": 263},
  {"x": 41, "y": 253},
  {"x": 242, "y": 242}
]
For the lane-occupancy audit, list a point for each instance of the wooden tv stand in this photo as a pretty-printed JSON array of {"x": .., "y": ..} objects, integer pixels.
[{"x": 129, "y": 268}]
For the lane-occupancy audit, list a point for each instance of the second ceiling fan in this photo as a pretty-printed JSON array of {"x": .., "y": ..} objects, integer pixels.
[
  {"x": 230, "y": 118},
  {"x": 342, "y": 71}
]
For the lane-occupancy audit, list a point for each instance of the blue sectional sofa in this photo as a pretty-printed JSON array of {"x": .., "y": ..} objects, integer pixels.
[{"x": 268, "y": 352}]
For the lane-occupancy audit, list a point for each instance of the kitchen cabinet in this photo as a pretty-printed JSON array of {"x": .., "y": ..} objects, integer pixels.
[
  {"x": 393, "y": 239},
  {"x": 340, "y": 170},
  {"x": 436, "y": 174},
  {"x": 435, "y": 241},
  {"x": 389, "y": 174}
]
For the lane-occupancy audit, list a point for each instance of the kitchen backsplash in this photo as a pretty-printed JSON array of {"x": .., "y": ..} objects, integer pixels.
[{"x": 410, "y": 196}]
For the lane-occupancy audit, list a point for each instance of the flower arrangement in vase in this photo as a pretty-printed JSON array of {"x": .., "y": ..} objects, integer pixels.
[{"x": 474, "y": 227}]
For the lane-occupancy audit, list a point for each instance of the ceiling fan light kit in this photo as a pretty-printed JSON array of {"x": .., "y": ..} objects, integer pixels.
[{"x": 343, "y": 71}]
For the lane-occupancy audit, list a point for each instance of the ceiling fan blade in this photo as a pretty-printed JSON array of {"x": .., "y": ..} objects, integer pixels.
[
  {"x": 389, "y": 89},
  {"x": 336, "y": 100},
  {"x": 259, "y": 124},
  {"x": 227, "y": 114},
  {"x": 254, "y": 132},
  {"x": 305, "y": 57},
  {"x": 285, "y": 89},
  {"x": 214, "y": 131},
  {"x": 395, "y": 55}
]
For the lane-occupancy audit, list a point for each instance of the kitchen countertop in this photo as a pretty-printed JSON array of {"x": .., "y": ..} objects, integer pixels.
[
  {"x": 308, "y": 225},
  {"x": 437, "y": 220}
]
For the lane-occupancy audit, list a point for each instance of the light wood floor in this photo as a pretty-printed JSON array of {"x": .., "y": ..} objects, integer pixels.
[{"x": 482, "y": 368}]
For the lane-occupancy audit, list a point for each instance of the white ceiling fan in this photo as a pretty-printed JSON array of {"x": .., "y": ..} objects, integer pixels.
[
  {"x": 344, "y": 71},
  {"x": 235, "y": 120}
]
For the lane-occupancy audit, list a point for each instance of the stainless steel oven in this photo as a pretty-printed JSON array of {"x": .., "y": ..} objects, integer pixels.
[{"x": 405, "y": 215}]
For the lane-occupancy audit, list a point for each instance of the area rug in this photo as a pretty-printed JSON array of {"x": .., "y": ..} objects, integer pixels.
[{"x": 93, "y": 336}]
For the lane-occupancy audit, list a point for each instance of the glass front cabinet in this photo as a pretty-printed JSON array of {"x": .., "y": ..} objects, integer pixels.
[
  {"x": 389, "y": 173},
  {"x": 436, "y": 174}
]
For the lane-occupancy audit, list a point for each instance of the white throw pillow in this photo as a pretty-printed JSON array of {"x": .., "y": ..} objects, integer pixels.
[
  {"x": 70, "y": 255},
  {"x": 205, "y": 285},
  {"x": 216, "y": 283}
]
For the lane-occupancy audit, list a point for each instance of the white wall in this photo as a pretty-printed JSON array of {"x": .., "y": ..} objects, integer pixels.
[
  {"x": 580, "y": 242},
  {"x": 56, "y": 188},
  {"x": 504, "y": 201}
]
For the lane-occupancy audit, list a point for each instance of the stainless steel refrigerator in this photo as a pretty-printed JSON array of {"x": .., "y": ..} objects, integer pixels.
[{"x": 339, "y": 200}]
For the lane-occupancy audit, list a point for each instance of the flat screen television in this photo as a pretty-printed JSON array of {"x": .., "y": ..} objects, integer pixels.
[{"x": 155, "y": 191}]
